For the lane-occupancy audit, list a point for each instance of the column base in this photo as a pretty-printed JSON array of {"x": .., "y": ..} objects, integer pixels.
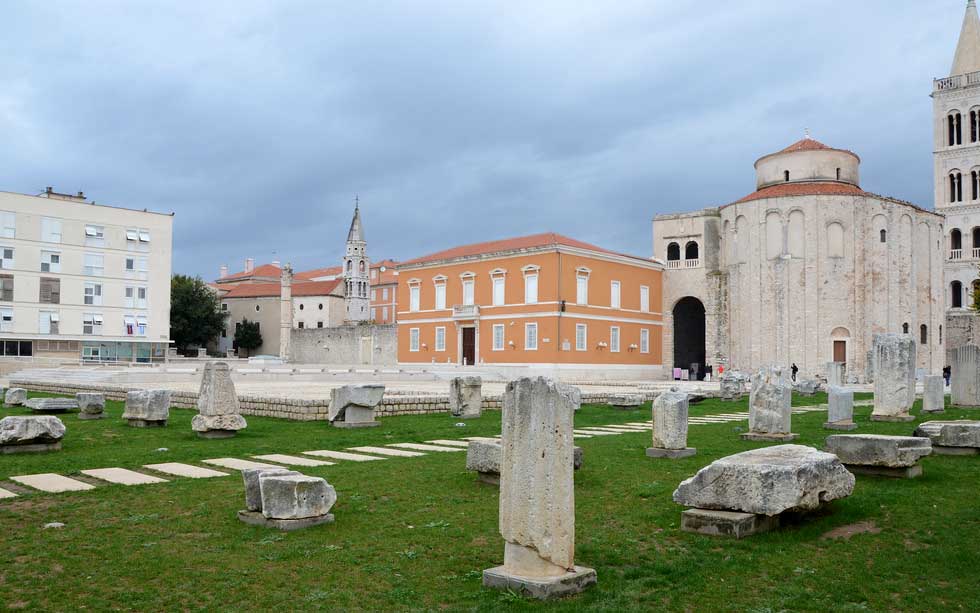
[
  {"x": 147, "y": 423},
  {"x": 732, "y": 524},
  {"x": 892, "y": 418},
  {"x": 575, "y": 581},
  {"x": 255, "y": 518},
  {"x": 770, "y": 438},
  {"x": 840, "y": 425},
  {"x": 356, "y": 424}
]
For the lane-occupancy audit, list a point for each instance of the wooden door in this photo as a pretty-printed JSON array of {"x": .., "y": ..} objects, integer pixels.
[
  {"x": 840, "y": 351},
  {"x": 469, "y": 346}
]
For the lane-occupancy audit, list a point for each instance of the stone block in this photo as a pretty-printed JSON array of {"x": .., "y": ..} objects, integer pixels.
[
  {"x": 836, "y": 374},
  {"x": 965, "y": 376},
  {"x": 250, "y": 476},
  {"x": 933, "y": 394},
  {"x": 30, "y": 433},
  {"x": 51, "y": 405},
  {"x": 770, "y": 406},
  {"x": 732, "y": 524},
  {"x": 91, "y": 405},
  {"x": 571, "y": 582},
  {"x": 768, "y": 481},
  {"x": 354, "y": 404},
  {"x": 625, "y": 400},
  {"x": 731, "y": 387},
  {"x": 576, "y": 395},
  {"x": 807, "y": 387},
  {"x": 15, "y": 397},
  {"x": 295, "y": 496},
  {"x": 946, "y": 435},
  {"x": 466, "y": 397},
  {"x": 483, "y": 457},
  {"x": 894, "y": 387},
  {"x": 671, "y": 454},
  {"x": 878, "y": 449},
  {"x": 840, "y": 409},
  {"x": 255, "y": 518},
  {"x": 895, "y": 472},
  {"x": 147, "y": 408}
]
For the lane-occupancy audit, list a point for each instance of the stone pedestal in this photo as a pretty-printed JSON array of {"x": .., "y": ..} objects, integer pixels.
[
  {"x": 219, "y": 412},
  {"x": 840, "y": 409},
  {"x": 537, "y": 493},
  {"x": 964, "y": 379},
  {"x": 894, "y": 377},
  {"x": 895, "y": 472},
  {"x": 734, "y": 524},
  {"x": 625, "y": 401},
  {"x": 91, "y": 405},
  {"x": 466, "y": 397},
  {"x": 670, "y": 427},
  {"x": 933, "y": 394},
  {"x": 254, "y": 518},
  {"x": 147, "y": 408},
  {"x": 352, "y": 406},
  {"x": 836, "y": 374},
  {"x": 770, "y": 406},
  {"x": 285, "y": 499}
]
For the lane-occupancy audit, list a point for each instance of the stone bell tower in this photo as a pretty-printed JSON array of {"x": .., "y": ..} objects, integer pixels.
[{"x": 357, "y": 276}]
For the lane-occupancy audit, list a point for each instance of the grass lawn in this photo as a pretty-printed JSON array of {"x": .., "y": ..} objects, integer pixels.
[{"x": 415, "y": 533}]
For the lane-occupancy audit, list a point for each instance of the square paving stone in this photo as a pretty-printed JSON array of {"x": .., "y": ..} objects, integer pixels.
[
  {"x": 449, "y": 443},
  {"x": 122, "y": 476},
  {"x": 340, "y": 455},
  {"x": 388, "y": 451},
  {"x": 236, "y": 464},
  {"x": 292, "y": 460},
  {"x": 422, "y": 447},
  {"x": 52, "y": 483},
  {"x": 185, "y": 470},
  {"x": 6, "y": 494}
]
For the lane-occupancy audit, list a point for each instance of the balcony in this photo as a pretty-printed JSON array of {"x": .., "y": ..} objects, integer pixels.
[
  {"x": 955, "y": 254},
  {"x": 957, "y": 82},
  {"x": 677, "y": 264},
  {"x": 466, "y": 311},
  {"x": 692, "y": 263}
]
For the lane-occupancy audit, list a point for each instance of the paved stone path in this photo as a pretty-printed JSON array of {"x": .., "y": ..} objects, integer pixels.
[
  {"x": 236, "y": 464},
  {"x": 185, "y": 470},
  {"x": 423, "y": 447},
  {"x": 386, "y": 451},
  {"x": 291, "y": 460},
  {"x": 122, "y": 476},
  {"x": 6, "y": 494},
  {"x": 52, "y": 483},
  {"x": 340, "y": 455}
]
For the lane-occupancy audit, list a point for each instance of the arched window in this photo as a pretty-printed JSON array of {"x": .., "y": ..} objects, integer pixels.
[
  {"x": 974, "y": 185},
  {"x": 905, "y": 328},
  {"x": 974, "y": 289},
  {"x": 956, "y": 289},
  {"x": 955, "y": 134},
  {"x": 923, "y": 335},
  {"x": 955, "y": 239},
  {"x": 974, "y": 126},
  {"x": 349, "y": 265},
  {"x": 838, "y": 174},
  {"x": 691, "y": 251},
  {"x": 883, "y": 236},
  {"x": 786, "y": 175},
  {"x": 673, "y": 252},
  {"x": 835, "y": 240},
  {"x": 956, "y": 187},
  {"x": 976, "y": 238},
  {"x": 360, "y": 267}
]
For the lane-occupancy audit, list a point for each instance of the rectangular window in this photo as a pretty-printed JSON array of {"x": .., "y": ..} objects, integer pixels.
[
  {"x": 50, "y": 261},
  {"x": 374, "y": 295},
  {"x": 614, "y": 339},
  {"x": 440, "y": 296},
  {"x": 530, "y": 337},
  {"x": 374, "y": 314},
  {"x": 384, "y": 313},
  {"x": 8, "y": 224},
  {"x": 440, "y": 338},
  {"x": 413, "y": 339},
  {"x": 614, "y": 301},
  {"x": 50, "y": 291},
  {"x": 140, "y": 297},
  {"x": 6, "y": 257},
  {"x": 531, "y": 289},
  {"x": 319, "y": 324},
  {"x": 50, "y": 230},
  {"x": 92, "y": 323},
  {"x": 468, "y": 285},
  {"x": 141, "y": 325},
  {"x": 144, "y": 235},
  {"x": 644, "y": 298},
  {"x": 48, "y": 322},
  {"x": 129, "y": 322},
  {"x": 93, "y": 294},
  {"x": 7, "y": 288},
  {"x": 94, "y": 265},
  {"x": 130, "y": 264},
  {"x": 582, "y": 290},
  {"x": 498, "y": 291},
  {"x": 644, "y": 341},
  {"x": 94, "y": 236},
  {"x": 300, "y": 325},
  {"x": 6, "y": 320},
  {"x": 413, "y": 298},
  {"x": 131, "y": 299},
  {"x": 581, "y": 337},
  {"x": 384, "y": 293},
  {"x": 132, "y": 236},
  {"x": 498, "y": 337}
]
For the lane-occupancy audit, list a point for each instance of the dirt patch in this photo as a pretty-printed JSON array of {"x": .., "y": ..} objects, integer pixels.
[
  {"x": 479, "y": 541},
  {"x": 846, "y": 532}
]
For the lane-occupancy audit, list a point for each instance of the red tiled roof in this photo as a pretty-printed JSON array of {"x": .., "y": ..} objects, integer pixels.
[
  {"x": 548, "y": 239},
  {"x": 319, "y": 272},
  {"x": 786, "y": 190},
  {"x": 265, "y": 270},
  {"x": 269, "y": 290},
  {"x": 809, "y": 144}
]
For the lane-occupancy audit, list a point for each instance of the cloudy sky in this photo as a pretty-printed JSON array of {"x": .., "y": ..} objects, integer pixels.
[{"x": 454, "y": 121}]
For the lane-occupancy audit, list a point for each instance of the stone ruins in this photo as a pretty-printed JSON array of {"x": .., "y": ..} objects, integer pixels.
[
  {"x": 960, "y": 437},
  {"x": 483, "y": 457},
  {"x": 836, "y": 374},
  {"x": 352, "y": 406},
  {"x": 933, "y": 394},
  {"x": 52, "y": 405},
  {"x": 91, "y": 405},
  {"x": 27, "y": 434},
  {"x": 894, "y": 356},
  {"x": 880, "y": 455},
  {"x": 807, "y": 387},
  {"x": 731, "y": 387},
  {"x": 770, "y": 406},
  {"x": 466, "y": 397},
  {"x": 625, "y": 400},
  {"x": 537, "y": 493},
  {"x": 840, "y": 409},
  {"x": 745, "y": 493},
  {"x": 15, "y": 397},
  {"x": 286, "y": 499},
  {"x": 147, "y": 408},
  {"x": 670, "y": 427},
  {"x": 965, "y": 376},
  {"x": 219, "y": 414}
]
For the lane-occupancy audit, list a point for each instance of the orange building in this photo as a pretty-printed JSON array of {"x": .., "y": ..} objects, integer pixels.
[{"x": 543, "y": 300}]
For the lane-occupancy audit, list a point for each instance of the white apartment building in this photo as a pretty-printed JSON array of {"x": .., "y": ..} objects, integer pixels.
[{"x": 81, "y": 280}]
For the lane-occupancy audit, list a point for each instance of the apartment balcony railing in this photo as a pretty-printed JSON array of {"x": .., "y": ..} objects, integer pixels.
[
  {"x": 956, "y": 254},
  {"x": 466, "y": 311}
]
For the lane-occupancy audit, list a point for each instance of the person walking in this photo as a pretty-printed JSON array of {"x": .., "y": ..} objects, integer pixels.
[
  {"x": 947, "y": 372},
  {"x": 794, "y": 370}
]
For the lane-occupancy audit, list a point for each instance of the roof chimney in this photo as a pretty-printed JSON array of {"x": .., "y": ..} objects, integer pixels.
[
  {"x": 249, "y": 265},
  {"x": 223, "y": 271}
]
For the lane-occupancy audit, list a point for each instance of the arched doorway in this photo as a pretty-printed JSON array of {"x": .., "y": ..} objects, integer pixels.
[{"x": 689, "y": 335}]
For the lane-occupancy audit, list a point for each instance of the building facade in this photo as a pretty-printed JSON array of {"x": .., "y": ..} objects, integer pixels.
[
  {"x": 956, "y": 146},
  {"x": 805, "y": 270},
  {"x": 80, "y": 280},
  {"x": 542, "y": 301}
]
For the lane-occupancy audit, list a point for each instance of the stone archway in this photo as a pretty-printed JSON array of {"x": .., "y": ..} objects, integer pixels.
[{"x": 689, "y": 334}]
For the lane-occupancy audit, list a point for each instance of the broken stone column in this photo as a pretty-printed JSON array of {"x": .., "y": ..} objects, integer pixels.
[
  {"x": 964, "y": 378},
  {"x": 352, "y": 406},
  {"x": 933, "y": 394},
  {"x": 731, "y": 388},
  {"x": 836, "y": 374},
  {"x": 483, "y": 457},
  {"x": 28, "y": 434},
  {"x": 52, "y": 405},
  {"x": 894, "y": 358},
  {"x": 807, "y": 387},
  {"x": 217, "y": 404},
  {"x": 670, "y": 427},
  {"x": 625, "y": 400},
  {"x": 880, "y": 455},
  {"x": 466, "y": 397},
  {"x": 91, "y": 405},
  {"x": 147, "y": 408},
  {"x": 770, "y": 406},
  {"x": 537, "y": 493},
  {"x": 286, "y": 499},
  {"x": 15, "y": 397},
  {"x": 840, "y": 409}
]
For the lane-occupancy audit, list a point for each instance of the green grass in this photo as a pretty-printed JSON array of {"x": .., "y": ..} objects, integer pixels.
[{"x": 415, "y": 533}]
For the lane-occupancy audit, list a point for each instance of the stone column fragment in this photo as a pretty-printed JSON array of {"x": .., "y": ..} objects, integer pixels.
[
  {"x": 670, "y": 427},
  {"x": 466, "y": 397},
  {"x": 770, "y": 406},
  {"x": 894, "y": 356},
  {"x": 840, "y": 409},
  {"x": 933, "y": 394},
  {"x": 964, "y": 377},
  {"x": 217, "y": 404}
]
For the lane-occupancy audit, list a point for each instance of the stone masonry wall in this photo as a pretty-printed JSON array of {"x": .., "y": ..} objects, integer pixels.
[{"x": 367, "y": 344}]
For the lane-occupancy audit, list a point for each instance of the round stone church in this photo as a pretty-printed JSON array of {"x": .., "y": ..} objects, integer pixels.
[{"x": 805, "y": 270}]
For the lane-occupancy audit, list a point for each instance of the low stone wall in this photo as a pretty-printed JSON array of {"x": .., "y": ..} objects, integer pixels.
[
  {"x": 285, "y": 408},
  {"x": 366, "y": 344}
]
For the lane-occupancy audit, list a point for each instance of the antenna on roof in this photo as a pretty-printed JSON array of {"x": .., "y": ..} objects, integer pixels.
[{"x": 806, "y": 133}]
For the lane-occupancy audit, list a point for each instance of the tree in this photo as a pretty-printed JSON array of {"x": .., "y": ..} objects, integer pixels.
[
  {"x": 247, "y": 335},
  {"x": 196, "y": 317}
]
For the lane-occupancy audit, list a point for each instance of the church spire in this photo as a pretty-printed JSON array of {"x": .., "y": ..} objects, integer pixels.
[
  {"x": 356, "y": 232},
  {"x": 967, "y": 57}
]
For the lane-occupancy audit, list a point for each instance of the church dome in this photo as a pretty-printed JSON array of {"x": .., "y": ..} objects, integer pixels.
[{"x": 808, "y": 161}]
